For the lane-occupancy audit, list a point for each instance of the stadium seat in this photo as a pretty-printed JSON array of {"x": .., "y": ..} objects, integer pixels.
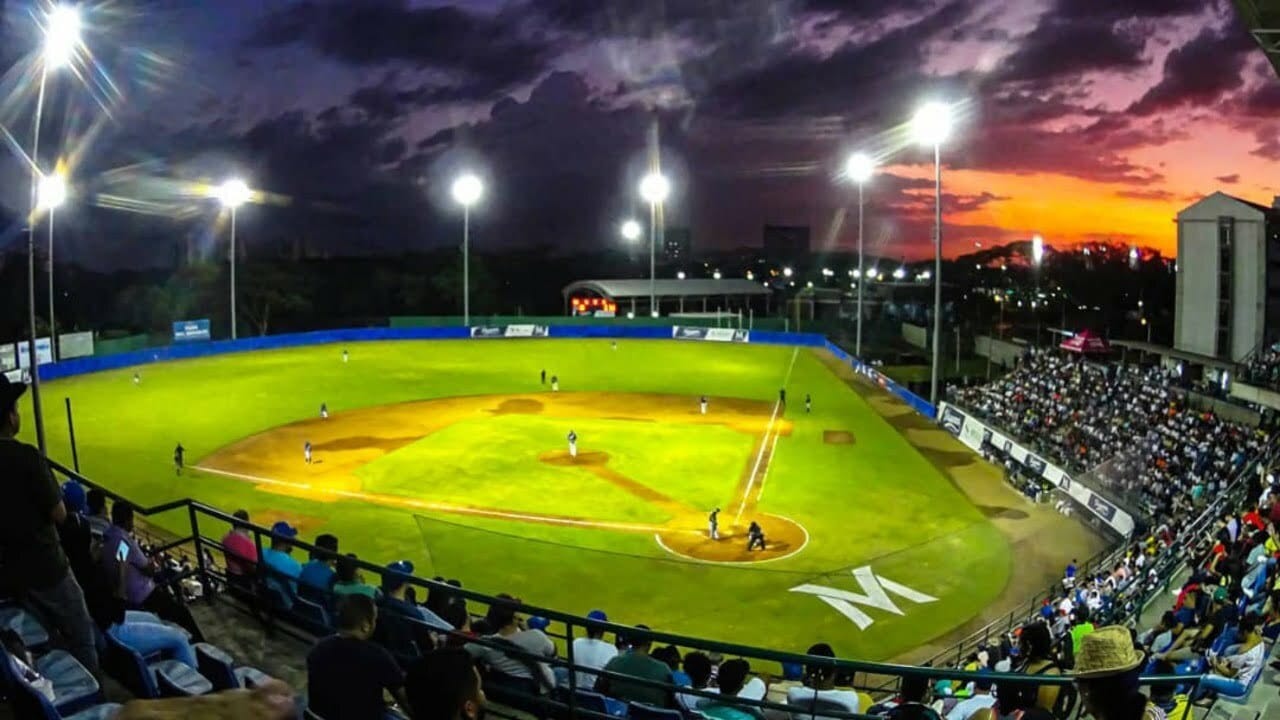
[
  {"x": 157, "y": 678},
  {"x": 598, "y": 703},
  {"x": 74, "y": 687},
  {"x": 27, "y": 702},
  {"x": 303, "y": 612},
  {"x": 217, "y": 665},
  {"x": 815, "y": 707},
  {"x": 638, "y": 711},
  {"x": 26, "y": 624}
]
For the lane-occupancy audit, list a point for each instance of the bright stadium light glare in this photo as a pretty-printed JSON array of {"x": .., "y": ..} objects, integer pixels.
[
  {"x": 631, "y": 230},
  {"x": 931, "y": 124},
  {"x": 51, "y": 191},
  {"x": 61, "y": 35},
  {"x": 787, "y": 272},
  {"x": 680, "y": 275},
  {"x": 900, "y": 273},
  {"x": 716, "y": 275},
  {"x": 751, "y": 275},
  {"x": 859, "y": 167},
  {"x": 654, "y": 188},
  {"x": 467, "y": 189},
  {"x": 1037, "y": 249},
  {"x": 233, "y": 193}
]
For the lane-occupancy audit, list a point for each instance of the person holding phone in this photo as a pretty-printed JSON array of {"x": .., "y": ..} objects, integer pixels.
[{"x": 124, "y": 561}]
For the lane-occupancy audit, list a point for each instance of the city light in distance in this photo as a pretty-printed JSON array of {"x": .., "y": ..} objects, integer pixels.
[
  {"x": 900, "y": 273},
  {"x": 786, "y": 272},
  {"x": 680, "y": 275},
  {"x": 716, "y": 275}
]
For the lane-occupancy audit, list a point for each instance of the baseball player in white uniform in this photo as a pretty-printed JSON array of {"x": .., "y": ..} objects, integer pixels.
[
  {"x": 306, "y": 451},
  {"x": 573, "y": 444},
  {"x": 324, "y": 411},
  {"x": 555, "y": 383},
  {"x": 713, "y": 524},
  {"x": 344, "y": 355},
  {"x": 703, "y": 404}
]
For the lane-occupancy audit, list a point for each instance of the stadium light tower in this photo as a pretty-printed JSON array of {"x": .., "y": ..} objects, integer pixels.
[
  {"x": 859, "y": 168},
  {"x": 232, "y": 194},
  {"x": 467, "y": 190},
  {"x": 630, "y": 230},
  {"x": 61, "y": 29},
  {"x": 654, "y": 189},
  {"x": 51, "y": 192},
  {"x": 931, "y": 126}
]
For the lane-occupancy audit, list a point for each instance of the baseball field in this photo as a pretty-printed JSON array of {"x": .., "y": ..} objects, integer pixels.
[{"x": 884, "y": 536}]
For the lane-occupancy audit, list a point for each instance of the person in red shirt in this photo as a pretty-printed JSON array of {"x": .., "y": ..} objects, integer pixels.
[{"x": 240, "y": 551}]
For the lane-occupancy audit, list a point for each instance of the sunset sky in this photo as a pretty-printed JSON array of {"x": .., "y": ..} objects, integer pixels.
[{"x": 1081, "y": 119}]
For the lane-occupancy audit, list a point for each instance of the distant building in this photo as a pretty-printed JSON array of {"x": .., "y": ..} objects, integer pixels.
[
  {"x": 677, "y": 244},
  {"x": 1228, "y": 285},
  {"x": 786, "y": 241}
]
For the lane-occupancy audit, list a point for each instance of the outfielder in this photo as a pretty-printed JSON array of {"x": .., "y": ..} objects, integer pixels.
[
  {"x": 555, "y": 383},
  {"x": 713, "y": 524},
  {"x": 703, "y": 404},
  {"x": 573, "y": 444},
  {"x": 324, "y": 411},
  {"x": 306, "y": 451},
  {"x": 344, "y": 355},
  {"x": 177, "y": 458},
  {"x": 137, "y": 378},
  {"x": 808, "y": 403}
]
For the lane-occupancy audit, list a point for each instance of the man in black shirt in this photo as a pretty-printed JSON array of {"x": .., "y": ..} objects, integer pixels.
[
  {"x": 346, "y": 673},
  {"x": 445, "y": 685},
  {"x": 30, "y": 552}
]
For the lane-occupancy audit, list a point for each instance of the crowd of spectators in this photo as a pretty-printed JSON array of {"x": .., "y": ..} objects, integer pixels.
[
  {"x": 1161, "y": 455},
  {"x": 1263, "y": 368}
]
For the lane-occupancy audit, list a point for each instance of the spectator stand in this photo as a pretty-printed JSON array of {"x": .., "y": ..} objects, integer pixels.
[{"x": 564, "y": 628}]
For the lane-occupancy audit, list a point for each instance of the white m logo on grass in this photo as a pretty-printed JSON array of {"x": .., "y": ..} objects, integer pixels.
[{"x": 875, "y": 593}]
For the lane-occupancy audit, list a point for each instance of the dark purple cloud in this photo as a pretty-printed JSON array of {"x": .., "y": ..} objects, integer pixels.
[{"x": 1200, "y": 72}]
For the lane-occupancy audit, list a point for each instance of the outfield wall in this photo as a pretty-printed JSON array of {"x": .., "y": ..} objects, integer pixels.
[{"x": 186, "y": 351}]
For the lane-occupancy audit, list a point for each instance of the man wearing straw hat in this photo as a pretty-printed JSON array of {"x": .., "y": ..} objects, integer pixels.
[{"x": 1106, "y": 672}]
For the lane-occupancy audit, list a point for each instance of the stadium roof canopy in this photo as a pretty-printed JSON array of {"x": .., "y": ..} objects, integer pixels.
[
  {"x": 1263, "y": 20},
  {"x": 702, "y": 287}
]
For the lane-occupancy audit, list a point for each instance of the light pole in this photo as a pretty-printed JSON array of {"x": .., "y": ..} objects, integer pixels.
[
  {"x": 61, "y": 43},
  {"x": 466, "y": 190},
  {"x": 931, "y": 126},
  {"x": 1037, "y": 257},
  {"x": 232, "y": 194},
  {"x": 654, "y": 189},
  {"x": 51, "y": 192},
  {"x": 859, "y": 169}
]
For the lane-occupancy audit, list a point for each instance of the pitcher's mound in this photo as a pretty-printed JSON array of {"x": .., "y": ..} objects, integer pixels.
[
  {"x": 783, "y": 538},
  {"x": 837, "y": 437},
  {"x": 560, "y": 458}
]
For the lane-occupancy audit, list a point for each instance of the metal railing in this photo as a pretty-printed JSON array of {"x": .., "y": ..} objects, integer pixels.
[{"x": 566, "y": 628}]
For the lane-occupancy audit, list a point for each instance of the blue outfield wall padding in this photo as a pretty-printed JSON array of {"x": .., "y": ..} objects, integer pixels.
[{"x": 184, "y": 351}]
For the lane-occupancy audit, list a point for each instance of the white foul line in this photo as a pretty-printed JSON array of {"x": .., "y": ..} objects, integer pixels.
[{"x": 764, "y": 442}]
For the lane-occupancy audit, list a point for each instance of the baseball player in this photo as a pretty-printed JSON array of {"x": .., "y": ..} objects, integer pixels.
[
  {"x": 808, "y": 403},
  {"x": 555, "y": 383},
  {"x": 614, "y": 344},
  {"x": 713, "y": 524},
  {"x": 544, "y": 377},
  {"x": 573, "y": 444},
  {"x": 178, "y": 453},
  {"x": 324, "y": 411},
  {"x": 306, "y": 451},
  {"x": 755, "y": 536},
  {"x": 782, "y": 396},
  {"x": 345, "y": 356},
  {"x": 703, "y": 404},
  {"x": 137, "y": 378}
]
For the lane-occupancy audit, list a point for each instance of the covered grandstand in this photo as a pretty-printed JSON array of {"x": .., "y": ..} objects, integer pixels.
[{"x": 688, "y": 295}]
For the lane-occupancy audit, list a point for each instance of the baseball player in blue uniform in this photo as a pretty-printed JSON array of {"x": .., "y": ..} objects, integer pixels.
[
  {"x": 573, "y": 444},
  {"x": 713, "y": 524},
  {"x": 306, "y": 451}
]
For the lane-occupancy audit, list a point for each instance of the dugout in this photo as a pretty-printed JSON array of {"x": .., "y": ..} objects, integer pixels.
[{"x": 688, "y": 295}]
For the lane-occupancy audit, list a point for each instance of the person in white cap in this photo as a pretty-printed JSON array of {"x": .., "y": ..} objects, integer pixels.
[{"x": 573, "y": 444}]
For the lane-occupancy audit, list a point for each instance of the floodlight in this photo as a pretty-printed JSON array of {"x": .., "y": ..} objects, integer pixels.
[
  {"x": 716, "y": 275},
  {"x": 631, "y": 230},
  {"x": 233, "y": 193},
  {"x": 680, "y": 275},
  {"x": 932, "y": 123},
  {"x": 786, "y": 271},
  {"x": 859, "y": 167},
  {"x": 467, "y": 189},
  {"x": 900, "y": 273},
  {"x": 51, "y": 191},
  {"x": 1037, "y": 249},
  {"x": 654, "y": 188},
  {"x": 61, "y": 35}
]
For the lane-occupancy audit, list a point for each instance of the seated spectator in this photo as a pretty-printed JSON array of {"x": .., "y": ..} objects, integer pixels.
[
  {"x": 732, "y": 679},
  {"x": 348, "y": 580},
  {"x": 1191, "y": 644},
  {"x": 637, "y": 663},
  {"x": 240, "y": 551},
  {"x": 347, "y": 674},
  {"x": 1161, "y": 637},
  {"x": 981, "y": 699},
  {"x": 698, "y": 667},
  {"x": 123, "y": 558},
  {"x": 1035, "y": 645},
  {"x": 316, "y": 579},
  {"x": 504, "y": 632},
  {"x": 96, "y": 513},
  {"x": 913, "y": 696},
  {"x": 1017, "y": 702},
  {"x": 445, "y": 685},
  {"x": 281, "y": 568},
  {"x": 819, "y": 683},
  {"x": 592, "y": 651},
  {"x": 1106, "y": 675},
  {"x": 394, "y": 585},
  {"x": 1233, "y": 672}
]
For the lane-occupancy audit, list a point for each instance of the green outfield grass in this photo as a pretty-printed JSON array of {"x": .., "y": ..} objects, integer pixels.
[{"x": 875, "y": 502}]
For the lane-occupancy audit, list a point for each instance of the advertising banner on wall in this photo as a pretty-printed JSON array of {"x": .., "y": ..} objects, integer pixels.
[
  {"x": 8, "y": 356},
  {"x": 975, "y": 434},
  {"x": 685, "y": 332},
  {"x": 509, "y": 331},
  {"x": 190, "y": 330},
  {"x": 74, "y": 345},
  {"x": 44, "y": 352}
]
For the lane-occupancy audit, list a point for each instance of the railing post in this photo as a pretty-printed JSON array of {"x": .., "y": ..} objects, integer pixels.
[
  {"x": 573, "y": 670},
  {"x": 195, "y": 538}
]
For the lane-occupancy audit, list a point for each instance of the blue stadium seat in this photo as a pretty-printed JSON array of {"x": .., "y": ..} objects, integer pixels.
[
  {"x": 27, "y": 702},
  {"x": 26, "y": 624},
  {"x": 639, "y": 711},
  {"x": 218, "y": 665},
  {"x": 154, "y": 678},
  {"x": 597, "y": 703},
  {"x": 308, "y": 614},
  {"x": 74, "y": 687}
]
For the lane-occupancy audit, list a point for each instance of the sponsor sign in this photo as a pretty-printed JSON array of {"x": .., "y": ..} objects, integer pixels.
[
  {"x": 684, "y": 332},
  {"x": 8, "y": 356},
  {"x": 508, "y": 331},
  {"x": 74, "y": 345},
  {"x": 488, "y": 331},
  {"x": 190, "y": 330},
  {"x": 975, "y": 434},
  {"x": 44, "y": 352}
]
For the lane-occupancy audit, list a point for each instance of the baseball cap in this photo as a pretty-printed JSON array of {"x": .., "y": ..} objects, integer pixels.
[
  {"x": 404, "y": 567},
  {"x": 74, "y": 496},
  {"x": 537, "y": 622},
  {"x": 598, "y": 615},
  {"x": 9, "y": 392},
  {"x": 284, "y": 530}
]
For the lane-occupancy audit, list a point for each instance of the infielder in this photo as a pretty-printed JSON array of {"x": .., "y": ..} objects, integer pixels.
[
  {"x": 573, "y": 444},
  {"x": 544, "y": 377},
  {"x": 306, "y": 451},
  {"x": 703, "y": 404},
  {"x": 177, "y": 458},
  {"x": 713, "y": 524},
  {"x": 324, "y": 411},
  {"x": 555, "y": 383}
]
